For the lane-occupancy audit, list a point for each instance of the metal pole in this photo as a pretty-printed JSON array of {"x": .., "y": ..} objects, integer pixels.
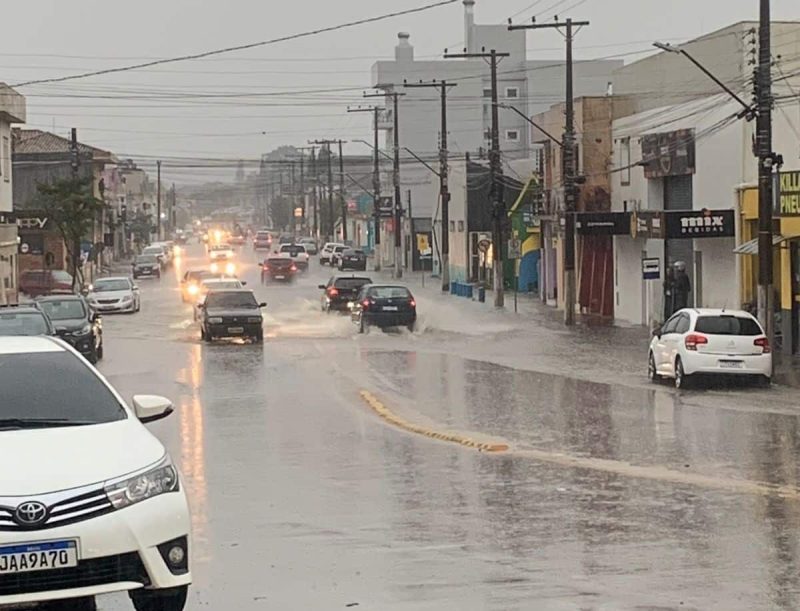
[
  {"x": 569, "y": 192},
  {"x": 444, "y": 190},
  {"x": 376, "y": 185},
  {"x": 498, "y": 209},
  {"x": 398, "y": 204},
  {"x": 158, "y": 200},
  {"x": 315, "y": 231},
  {"x": 341, "y": 194}
]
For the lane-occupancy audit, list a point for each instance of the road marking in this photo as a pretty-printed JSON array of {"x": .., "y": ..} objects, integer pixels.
[{"x": 385, "y": 413}]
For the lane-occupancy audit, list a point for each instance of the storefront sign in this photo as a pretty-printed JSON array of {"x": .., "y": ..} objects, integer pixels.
[
  {"x": 32, "y": 221},
  {"x": 789, "y": 194},
  {"x": 31, "y": 243},
  {"x": 669, "y": 153},
  {"x": 700, "y": 224},
  {"x": 603, "y": 223},
  {"x": 651, "y": 269},
  {"x": 647, "y": 224}
]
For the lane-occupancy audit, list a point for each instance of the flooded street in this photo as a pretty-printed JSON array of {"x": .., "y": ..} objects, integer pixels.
[{"x": 611, "y": 495}]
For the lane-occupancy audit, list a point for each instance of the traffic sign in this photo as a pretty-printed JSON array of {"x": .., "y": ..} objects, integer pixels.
[{"x": 651, "y": 269}]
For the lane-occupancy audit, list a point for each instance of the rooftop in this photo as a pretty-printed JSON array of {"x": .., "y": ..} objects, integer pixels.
[{"x": 36, "y": 141}]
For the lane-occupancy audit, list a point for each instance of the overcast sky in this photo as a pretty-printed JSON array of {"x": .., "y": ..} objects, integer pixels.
[{"x": 49, "y": 38}]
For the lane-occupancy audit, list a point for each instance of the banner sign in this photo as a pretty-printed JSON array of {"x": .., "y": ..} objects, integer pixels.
[
  {"x": 603, "y": 223},
  {"x": 789, "y": 194}
]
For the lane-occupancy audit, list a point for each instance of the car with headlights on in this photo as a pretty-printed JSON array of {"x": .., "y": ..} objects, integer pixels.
[
  {"x": 76, "y": 323},
  {"x": 117, "y": 294},
  {"x": 25, "y": 320},
  {"x": 190, "y": 283},
  {"x": 340, "y": 292},
  {"x": 146, "y": 266},
  {"x": 706, "y": 341},
  {"x": 94, "y": 504},
  {"x": 159, "y": 253},
  {"x": 384, "y": 306},
  {"x": 231, "y": 313}
]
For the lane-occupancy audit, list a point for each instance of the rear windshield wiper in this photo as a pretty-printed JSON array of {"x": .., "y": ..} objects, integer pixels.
[{"x": 36, "y": 423}]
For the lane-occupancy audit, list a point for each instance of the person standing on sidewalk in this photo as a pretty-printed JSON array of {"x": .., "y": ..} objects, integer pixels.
[
  {"x": 669, "y": 293},
  {"x": 682, "y": 286}
]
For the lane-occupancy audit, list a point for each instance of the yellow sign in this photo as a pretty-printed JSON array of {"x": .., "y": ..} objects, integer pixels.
[
  {"x": 422, "y": 242},
  {"x": 790, "y": 194}
]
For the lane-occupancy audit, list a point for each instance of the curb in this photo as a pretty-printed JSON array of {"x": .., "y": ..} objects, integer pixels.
[{"x": 385, "y": 413}]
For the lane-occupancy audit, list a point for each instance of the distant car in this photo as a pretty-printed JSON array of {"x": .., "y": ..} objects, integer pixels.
[
  {"x": 35, "y": 282},
  {"x": 220, "y": 252},
  {"x": 280, "y": 267},
  {"x": 262, "y": 240},
  {"x": 298, "y": 254},
  {"x": 25, "y": 320},
  {"x": 709, "y": 341},
  {"x": 231, "y": 313},
  {"x": 352, "y": 258},
  {"x": 214, "y": 284},
  {"x": 310, "y": 244},
  {"x": 237, "y": 239},
  {"x": 117, "y": 294},
  {"x": 146, "y": 266},
  {"x": 76, "y": 323},
  {"x": 286, "y": 238},
  {"x": 384, "y": 306},
  {"x": 158, "y": 252},
  {"x": 327, "y": 251},
  {"x": 341, "y": 291},
  {"x": 336, "y": 255}
]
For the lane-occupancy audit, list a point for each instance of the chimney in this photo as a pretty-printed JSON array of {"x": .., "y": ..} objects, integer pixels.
[
  {"x": 404, "y": 52},
  {"x": 469, "y": 26}
]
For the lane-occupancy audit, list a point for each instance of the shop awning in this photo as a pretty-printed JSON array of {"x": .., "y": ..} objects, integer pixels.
[{"x": 751, "y": 247}]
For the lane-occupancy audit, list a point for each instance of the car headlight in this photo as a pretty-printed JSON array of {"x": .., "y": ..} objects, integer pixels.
[
  {"x": 157, "y": 480},
  {"x": 214, "y": 268},
  {"x": 230, "y": 269},
  {"x": 127, "y": 298},
  {"x": 85, "y": 330},
  {"x": 193, "y": 290},
  {"x": 254, "y": 319},
  {"x": 215, "y": 320}
]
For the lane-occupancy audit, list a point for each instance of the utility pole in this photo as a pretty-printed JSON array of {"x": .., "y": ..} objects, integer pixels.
[
  {"x": 569, "y": 167},
  {"x": 314, "y": 203},
  {"x": 172, "y": 213},
  {"x": 376, "y": 179},
  {"x": 327, "y": 144},
  {"x": 444, "y": 170},
  {"x": 766, "y": 161},
  {"x": 302, "y": 185},
  {"x": 495, "y": 175},
  {"x": 158, "y": 200},
  {"x": 75, "y": 161},
  {"x": 293, "y": 199},
  {"x": 341, "y": 194}
]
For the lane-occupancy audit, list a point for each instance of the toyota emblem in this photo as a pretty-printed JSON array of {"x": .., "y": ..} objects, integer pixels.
[{"x": 31, "y": 513}]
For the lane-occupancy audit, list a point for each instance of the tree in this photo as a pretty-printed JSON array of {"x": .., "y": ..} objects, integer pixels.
[
  {"x": 141, "y": 226},
  {"x": 71, "y": 206}
]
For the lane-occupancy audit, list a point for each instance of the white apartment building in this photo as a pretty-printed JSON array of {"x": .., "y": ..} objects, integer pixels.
[{"x": 12, "y": 110}]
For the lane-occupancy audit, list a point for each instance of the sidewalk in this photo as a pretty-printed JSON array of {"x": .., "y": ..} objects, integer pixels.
[{"x": 590, "y": 346}]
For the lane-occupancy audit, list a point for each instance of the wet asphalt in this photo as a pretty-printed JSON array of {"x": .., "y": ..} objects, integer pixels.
[{"x": 614, "y": 495}]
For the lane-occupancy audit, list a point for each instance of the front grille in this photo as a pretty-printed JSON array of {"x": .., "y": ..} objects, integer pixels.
[
  {"x": 94, "y": 572},
  {"x": 107, "y": 301},
  {"x": 67, "y": 511}
]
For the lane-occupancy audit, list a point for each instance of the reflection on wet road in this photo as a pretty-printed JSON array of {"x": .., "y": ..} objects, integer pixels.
[{"x": 304, "y": 499}]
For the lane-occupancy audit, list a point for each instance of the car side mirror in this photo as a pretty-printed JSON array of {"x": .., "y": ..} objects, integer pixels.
[
  {"x": 149, "y": 408},
  {"x": 321, "y": 287},
  {"x": 135, "y": 287},
  {"x": 656, "y": 332},
  {"x": 263, "y": 304},
  {"x": 244, "y": 282}
]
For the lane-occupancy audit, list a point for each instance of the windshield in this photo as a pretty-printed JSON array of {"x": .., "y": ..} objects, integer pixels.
[
  {"x": 351, "y": 283},
  {"x": 54, "y": 386},
  {"x": 727, "y": 325},
  {"x": 233, "y": 301},
  {"x": 389, "y": 292},
  {"x": 111, "y": 284},
  {"x": 64, "y": 309},
  {"x": 293, "y": 249},
  {"x": 146, "y": 259},
  {"x": 221, "y": 247},
  {"x": 22, "y": 323},
  {"x": 154, "y": 250},
  {"x": 226, "y": 284}
]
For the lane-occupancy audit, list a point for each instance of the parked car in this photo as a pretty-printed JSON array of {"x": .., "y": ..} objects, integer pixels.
[
  {"x": 119, "y": 294},
  {"x": 262, "y": 240},
  {"x": 327, "y": 251},
  {"x": 278, "y": 267},
  {"x": 336, "y": 255},
  {"x": 76, "y": 323},
  {"x": 298, "y": 254},
  {"x": 310, "y": 244},
  {"x": 352, "y": 258},
  {"x": 35, "y": 282},
  {"x": 146, "y": 266},
  {"x": 25, "y": 320},
  {"x": 341, "y": 292},
  {"x": 94, "y": 503},
  {"x": 709, "y": 341},
  {"x": 384, "y": 306},
  {"x": 231, "y": 313}
]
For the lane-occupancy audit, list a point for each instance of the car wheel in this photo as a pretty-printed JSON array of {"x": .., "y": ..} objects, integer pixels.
[
  {"x": 412, "y": 327},
  {"x": 93, "y": 356},
  {"x": 259, "y": 339},
  {"x": 73, "y": 604},
  {"x": 681, "y": 379},
  {"x": 362, "y": 326},
  {"x": 652, "y": 372},
  {"x": 764, "y": 381},
  {"x": 100, "y": 351},
  {"x": 171, "y": 599}
]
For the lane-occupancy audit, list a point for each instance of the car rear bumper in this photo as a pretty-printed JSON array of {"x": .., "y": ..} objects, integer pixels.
[
  {"x": 758, "y": 364},
  {"x": 117, "y": 551},
  {"x": 281, "y": 277},
  {"x": 390, "y": 319},
  {"x": 340, "y": 304}
]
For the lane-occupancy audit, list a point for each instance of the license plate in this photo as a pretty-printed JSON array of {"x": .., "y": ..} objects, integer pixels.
[
  {"x": 280, "y": 277},
  {"x": 731, "y": 364},
  {"x": 145, "y": 271},
  {"x": 235, "y": 330},
  {"x": 390, "y": 308},
  {"x": 27, "y": 557}
]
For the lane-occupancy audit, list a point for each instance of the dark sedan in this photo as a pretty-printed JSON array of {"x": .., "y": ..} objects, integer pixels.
[
  {"x": 353, "y": 259},
  {"x": 24, "y": 320},
  {"x": 146, "y": 266},
  {"x": 341, "y": 291},
  {"x": 384, "y": 306},
  {"x": 231, "y": 313},
  {"x": 76, "y": 323},
  {"x": 278, "y": 268}
]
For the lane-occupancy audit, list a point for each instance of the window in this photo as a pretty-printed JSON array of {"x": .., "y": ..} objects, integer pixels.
[
  {"x": 625, "y": 161},
  {"x": 683, "y": 324},
  {"x": 460, "y": 226},
  {"x": 727, "y": 325},
  {"x": 512, "y": 135},
  {"x": 487, "y": 93},
  {"x": 5, "y": 156},
  {"x": 671, "y": 325},
  {"x": 452, "y": 226},
  {"x": 512, "y": 92}
]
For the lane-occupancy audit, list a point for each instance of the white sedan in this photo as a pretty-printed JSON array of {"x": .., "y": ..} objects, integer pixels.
[
  {"x": 709, "y": 341},
  {"x": 94, "y": 504},
  {"x": 118, "y": 294}
]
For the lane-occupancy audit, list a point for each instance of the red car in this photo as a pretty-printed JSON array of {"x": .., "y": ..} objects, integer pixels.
[
  {"x": 280, "y": 268},
  {"x": 36, "y": 282}
]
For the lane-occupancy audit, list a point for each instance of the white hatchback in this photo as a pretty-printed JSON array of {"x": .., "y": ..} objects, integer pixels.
[
  {"x": 90, "y": 502},
  {"x": 709, "y": 341}
]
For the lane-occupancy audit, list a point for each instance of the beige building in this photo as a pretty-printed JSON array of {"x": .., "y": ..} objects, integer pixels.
[{"x": 12, "y": 110}]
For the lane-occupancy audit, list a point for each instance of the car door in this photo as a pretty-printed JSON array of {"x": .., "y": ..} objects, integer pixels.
[
  {"x": 673, "y": 334},
  {"x": 661, "y": 351}
]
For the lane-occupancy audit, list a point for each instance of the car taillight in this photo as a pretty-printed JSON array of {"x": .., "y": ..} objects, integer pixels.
[
  {"x": 333, "y": 292},
  {"x": 764, "y": 343},
  {"x": 293, "y": 268},
  {"x": 365, "y": 304},
  {"x": 693, "y": 341},
  {"x": 266, "y": 267},
  {"x": 412, "y": 303}
]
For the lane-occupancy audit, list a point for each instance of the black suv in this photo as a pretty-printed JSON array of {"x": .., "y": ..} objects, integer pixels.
[
  {"x": 341, "y": 291},
  {"x": 24, "y": 320},
  {"x": 231, "y": 313},
  {"x": 384, "y": 306},
  {"x": 146, "y": 266},
  {"x": 76, "y": 323}
]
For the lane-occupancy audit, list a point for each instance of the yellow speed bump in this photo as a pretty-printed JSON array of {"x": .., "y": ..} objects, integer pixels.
[{"x": 385, "y": 413}]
